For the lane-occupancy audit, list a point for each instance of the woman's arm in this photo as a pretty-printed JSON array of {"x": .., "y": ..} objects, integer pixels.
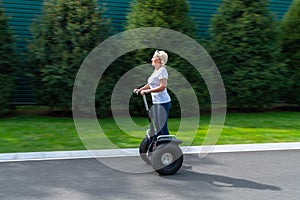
[
  {"x": 161, "y": 87},
  {"x": 145, "y": 87}
]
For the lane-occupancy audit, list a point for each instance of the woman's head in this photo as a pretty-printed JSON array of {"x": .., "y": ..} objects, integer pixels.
[{"x": 160, "y": 57}]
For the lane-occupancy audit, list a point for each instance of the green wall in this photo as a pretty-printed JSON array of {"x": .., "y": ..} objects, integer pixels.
[{"x": 22, "y": 12}]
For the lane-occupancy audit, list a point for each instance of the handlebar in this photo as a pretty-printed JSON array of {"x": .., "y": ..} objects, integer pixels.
[
  {"x": 145, "y": 100},
  {"x": 146, "y": 103}
]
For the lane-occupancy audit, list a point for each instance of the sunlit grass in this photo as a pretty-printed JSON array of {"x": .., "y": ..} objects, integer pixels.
[{"x": 26, "y": 133}]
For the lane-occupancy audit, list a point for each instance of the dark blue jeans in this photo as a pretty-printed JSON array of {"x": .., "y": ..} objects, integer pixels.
[{"x": 161, "y": 114}]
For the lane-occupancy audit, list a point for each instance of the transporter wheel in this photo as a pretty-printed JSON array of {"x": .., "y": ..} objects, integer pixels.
[
  {"x": 143, "y": 150},
  {"x": 167, "y": 159}
]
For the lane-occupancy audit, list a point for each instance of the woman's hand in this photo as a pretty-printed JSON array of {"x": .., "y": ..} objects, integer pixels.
[{"x": 136, "y": 91}]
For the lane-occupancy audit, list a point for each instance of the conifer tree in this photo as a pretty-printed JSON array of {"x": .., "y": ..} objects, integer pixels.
[
  {"x": 245, "y": 48},
  {"x": 172, "y": 15},
  {"x": 7, "y": 64},
  {"x": 63, "y": 36},
  {"x": 161, "y": 13},
  {"x": 290, "y": 40}
]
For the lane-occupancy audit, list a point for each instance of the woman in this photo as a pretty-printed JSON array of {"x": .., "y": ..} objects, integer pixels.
[{"x": 157, "y": 86}]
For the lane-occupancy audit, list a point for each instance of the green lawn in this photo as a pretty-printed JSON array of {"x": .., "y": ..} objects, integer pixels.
[{"x": 33, "y": 132}]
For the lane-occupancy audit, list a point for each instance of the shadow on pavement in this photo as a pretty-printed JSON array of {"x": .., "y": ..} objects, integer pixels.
[{"x": 187, "y": 174}]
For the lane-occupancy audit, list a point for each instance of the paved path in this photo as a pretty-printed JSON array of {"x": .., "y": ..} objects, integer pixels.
[{"x": 220, "y": 176}]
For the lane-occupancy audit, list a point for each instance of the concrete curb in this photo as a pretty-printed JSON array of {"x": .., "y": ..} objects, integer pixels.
[{"x": 204, "y": 150}]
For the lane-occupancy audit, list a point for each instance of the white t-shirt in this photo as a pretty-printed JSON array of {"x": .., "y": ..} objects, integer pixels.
[{"x": 153, "y": 81}]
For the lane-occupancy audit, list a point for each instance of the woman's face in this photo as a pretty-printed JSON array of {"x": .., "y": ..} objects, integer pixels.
[{"x": 155, "y": 61}]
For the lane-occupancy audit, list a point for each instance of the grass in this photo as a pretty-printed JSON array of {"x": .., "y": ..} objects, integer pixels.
[
  {"x": 38, "y": 133},
  {"x": 261, "y": 128},
  {"x": 33, "y": 131}
]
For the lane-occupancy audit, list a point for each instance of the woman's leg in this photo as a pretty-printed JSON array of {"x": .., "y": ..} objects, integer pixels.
[{"x": 161, "y": 113}]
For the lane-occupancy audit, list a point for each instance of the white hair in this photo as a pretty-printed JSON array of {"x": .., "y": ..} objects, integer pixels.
[{"x": 162, "y": 55}]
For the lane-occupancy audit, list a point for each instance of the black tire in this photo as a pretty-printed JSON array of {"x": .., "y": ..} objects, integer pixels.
[
  {"x": 167, "y": 159},
  {"x": 143, "y": 150}
]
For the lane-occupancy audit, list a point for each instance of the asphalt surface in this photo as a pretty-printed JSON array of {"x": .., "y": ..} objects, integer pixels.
[{"x": 220, "y": 176}]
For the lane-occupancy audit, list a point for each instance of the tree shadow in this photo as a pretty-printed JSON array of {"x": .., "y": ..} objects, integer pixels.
[{"x": 186, "y": 174}]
